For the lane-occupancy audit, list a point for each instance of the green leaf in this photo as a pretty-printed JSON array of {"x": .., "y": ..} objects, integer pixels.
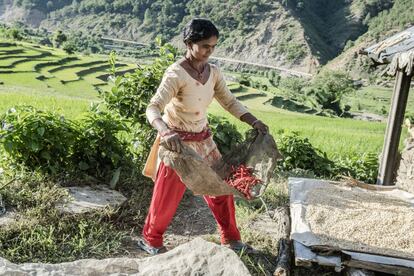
[
  {"x": 34, "y": 146},
  {"x": 83, "y": 166},
  {"x": 115, "y": 178},
  {"x": 45, "y": 155},
  {"x": 41, "y": 131},
  {"x": 8, "y": 146}
]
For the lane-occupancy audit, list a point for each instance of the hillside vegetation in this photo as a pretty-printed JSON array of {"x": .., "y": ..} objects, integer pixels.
[{"x": 291, "y": 33}]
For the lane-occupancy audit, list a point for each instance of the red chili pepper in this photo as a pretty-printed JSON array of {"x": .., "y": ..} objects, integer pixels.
[{"x": 242, "y": 179}]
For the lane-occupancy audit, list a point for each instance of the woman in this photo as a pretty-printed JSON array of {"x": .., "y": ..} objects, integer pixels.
[{"x": 187, "y": 88}]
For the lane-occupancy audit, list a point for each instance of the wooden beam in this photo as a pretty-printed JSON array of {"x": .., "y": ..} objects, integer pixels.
[
  {"x": 391, "y": 269},
  {"x": 393, "y": 130},
  {"x": 283, "y": 258}
]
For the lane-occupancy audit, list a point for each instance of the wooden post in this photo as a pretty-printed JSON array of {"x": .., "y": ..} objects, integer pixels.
[
  {"x": 284, "y": 255},
  {"x": 283, "y": 258},
  {"x": 393, "y": 131}
]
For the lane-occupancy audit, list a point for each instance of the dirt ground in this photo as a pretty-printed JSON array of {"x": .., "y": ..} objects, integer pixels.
[{"x": 194, "y": 219}]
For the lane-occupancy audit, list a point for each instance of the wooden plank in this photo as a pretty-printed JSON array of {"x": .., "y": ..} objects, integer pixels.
[
  {"x": 380, "y": 267},
  {"x": 304, "y": 256},
  {"x": 379, "y": 263},
  {"x": 283, "y": 258},
  {"x": 381, "y": 259},
  {"x": 393, "y": 130}
]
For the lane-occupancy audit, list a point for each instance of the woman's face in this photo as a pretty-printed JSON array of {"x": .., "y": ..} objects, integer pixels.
[{"x": 203, "y": 49}]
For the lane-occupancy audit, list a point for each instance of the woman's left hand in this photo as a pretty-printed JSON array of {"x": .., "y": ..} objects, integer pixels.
[{"x": 261, "y": 127}]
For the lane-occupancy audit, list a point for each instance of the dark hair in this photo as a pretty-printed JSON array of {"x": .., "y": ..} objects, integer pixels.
[{"x": 199, "y": 29}]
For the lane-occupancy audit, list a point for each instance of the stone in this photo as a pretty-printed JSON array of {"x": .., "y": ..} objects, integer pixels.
[
  {"x": 86, "y": 199},
  {"x": 197, "y": 257},
  {"x": 7, "y": 218},
  {"x": 405, "y": 173}
]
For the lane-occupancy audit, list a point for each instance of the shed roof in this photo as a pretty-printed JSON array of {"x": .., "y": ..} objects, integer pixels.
[{"x": 397, "y": 51}]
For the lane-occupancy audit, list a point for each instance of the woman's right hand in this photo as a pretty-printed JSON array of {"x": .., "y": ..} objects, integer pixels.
[{"x": 172, "y": 141}]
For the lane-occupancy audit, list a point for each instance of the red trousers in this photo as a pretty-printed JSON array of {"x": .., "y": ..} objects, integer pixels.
[{"x": 167, "y": 194}]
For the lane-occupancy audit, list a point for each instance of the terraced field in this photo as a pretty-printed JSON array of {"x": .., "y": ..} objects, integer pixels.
[
  {"x": 51, "y": 78},
  {"x": 35, "y": 66}
]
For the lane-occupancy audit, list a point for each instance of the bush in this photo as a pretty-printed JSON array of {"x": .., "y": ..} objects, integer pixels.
[
  {"x": 15, "y": 33},
  {"x": 292, "y": 86},
  {"x": 132, "y": 92},
  {"x": 299, "y": 153},
  {"x": 69, "y": 47},
  {"x": 362, "y": 167},
  {"x": 98, "y": 149},
  {"x": 245, "y": 80},
  {"x": 274, "y": 78},
  {"x": 325, "y": 92},
  {"x": 225, "y": 134},
  {"x": 37, "y": 139},
  {"x": 53, "y": 144}
]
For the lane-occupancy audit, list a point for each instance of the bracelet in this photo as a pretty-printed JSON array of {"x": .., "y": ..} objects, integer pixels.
[{"x": 257, "y": 120}]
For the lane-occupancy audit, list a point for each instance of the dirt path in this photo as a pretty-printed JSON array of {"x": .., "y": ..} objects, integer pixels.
[{"x": 193, "y": 219}]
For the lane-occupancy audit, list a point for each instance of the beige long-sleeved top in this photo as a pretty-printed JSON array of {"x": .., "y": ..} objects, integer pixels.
[{"x": 185, "y": 100}]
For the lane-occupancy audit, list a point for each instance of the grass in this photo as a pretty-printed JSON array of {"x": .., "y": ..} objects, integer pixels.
[
  {"x": 70, "y": 72},
  {"x": 336, "y": 136},
  {"x": 42, "y": 234},
  {"x": 77, "y": 89},
  {"x": 26, "y": 79},
  {"x": 8, "y": 63},
  {"x": 29, "y": 65},
  {"x": 373, "y": 99},
  {"x": 46, "y": 99},
  {"x": 70, "y": 78}
]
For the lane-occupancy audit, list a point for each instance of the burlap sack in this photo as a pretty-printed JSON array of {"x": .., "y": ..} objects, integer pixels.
[{"x": 258, "y": 151}]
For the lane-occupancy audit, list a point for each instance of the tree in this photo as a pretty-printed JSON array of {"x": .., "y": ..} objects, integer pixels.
[
  {"x": 329, "y": 87},
  {"x": 274, "y": 78},
  {"x": 147, "y": 17},
  {"x": 49, "y": 5},
  {"x": 69, "y": 47},
  {"x": 15, "y": 33},
  {"x": 58, "y": 38}
]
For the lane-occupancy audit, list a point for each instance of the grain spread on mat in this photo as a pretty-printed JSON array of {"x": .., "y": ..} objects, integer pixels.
[{"x": 360, "y": 220}]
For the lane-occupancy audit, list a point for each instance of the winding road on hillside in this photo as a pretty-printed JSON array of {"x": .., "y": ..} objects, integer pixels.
[{"x": 288, "y": 71}]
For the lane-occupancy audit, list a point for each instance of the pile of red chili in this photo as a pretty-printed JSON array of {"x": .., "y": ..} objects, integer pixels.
[{"x": 242, "y": 179}]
